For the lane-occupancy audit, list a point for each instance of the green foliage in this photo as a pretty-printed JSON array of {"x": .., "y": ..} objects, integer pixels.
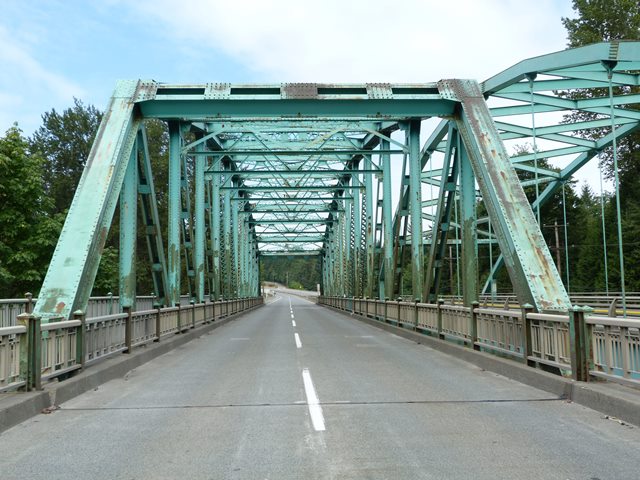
[
  {"x": 64, "y": 142},
  {"x": 603, "y": 21},
  {"x": 597, "y": 21},
  {"x": 29, "y": 230},
  {"x": 302, "y": 272}
]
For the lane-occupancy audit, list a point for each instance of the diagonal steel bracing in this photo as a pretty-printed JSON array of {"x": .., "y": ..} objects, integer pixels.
[{"x": 309, "y": 169}]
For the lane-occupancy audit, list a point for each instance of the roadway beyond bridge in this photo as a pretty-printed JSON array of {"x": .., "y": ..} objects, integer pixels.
[{"x": 295, "y": 390}]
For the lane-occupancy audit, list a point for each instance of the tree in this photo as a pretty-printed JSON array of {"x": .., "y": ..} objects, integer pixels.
[
  {"x": 64, "y": 142},
  {"x": 603, "y": 21},
  {"x": 29, "y": 231},
  {"x": 598, "y": 21}
]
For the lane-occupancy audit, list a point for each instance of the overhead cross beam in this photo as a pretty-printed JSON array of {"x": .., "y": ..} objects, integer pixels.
[{"x": 293, "y": 169}]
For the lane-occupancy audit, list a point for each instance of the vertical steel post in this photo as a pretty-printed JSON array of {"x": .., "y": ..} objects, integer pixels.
[
  {"x": 357, "y": 222},
  {"x": 175, "y": 217},
  {"x": 527, "y": 340},
  {"x": 226, "y": 228},
  {"x": 81, "y": 345},
  {"x": 387, "y": 215},
  {"x": 415, "y": 185},
  {"x": 236, "y": 251},
  {"x": 348, "y": 252},
  {"x": 128, "y": 221},
  {"x": 30, "y": 351},
  {"x": 128, "y": 330},
  {"x": 369, "y": 228},
  {"x": 340, "y": 254},
  {"x": 198, "y": 248},
  {"x": 468, "y": 223},
  {"x": 215, "y": 235},
  {"x": 580, "y": 344}
]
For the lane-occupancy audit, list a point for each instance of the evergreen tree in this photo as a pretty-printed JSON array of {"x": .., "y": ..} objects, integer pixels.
[
  {"x": 598, "y": 21},
  {"x": 29, "y": 230},
  {"x": 64, "y": 142}
]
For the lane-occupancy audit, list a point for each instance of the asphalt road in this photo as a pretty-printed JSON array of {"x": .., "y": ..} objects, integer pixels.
[{"x": 339, "y": 400}]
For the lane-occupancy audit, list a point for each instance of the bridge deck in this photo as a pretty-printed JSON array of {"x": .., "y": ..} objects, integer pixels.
[{"x": 235, "y": 404}]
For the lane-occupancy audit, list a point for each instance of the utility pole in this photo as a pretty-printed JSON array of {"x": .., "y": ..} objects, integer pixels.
[
  {"x": 558, "y": 263},
  {"x": 555, "y": 227}
]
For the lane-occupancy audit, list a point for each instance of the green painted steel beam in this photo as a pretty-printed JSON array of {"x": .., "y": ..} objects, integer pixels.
[
  {"x": 151, "y": 220},
  {"x": 289, "y": 253},
  {"x": 415, "y": 192},
  {"x": 174, "y": 220},
  {"x": 128, "y": 232},
  {"x": 531, "y": 268},
  {"x": 291, "y": 240},
  {"x": 301, "y": 153},
  {"x": 69, "y": 279},
  {"x": 199, "y": 237},
  {"x": 301, "y": 188},
  {"x": 291, "y": 173},
  {"x": 216, "y": 110},
  {"x": 293, "y": 220}
]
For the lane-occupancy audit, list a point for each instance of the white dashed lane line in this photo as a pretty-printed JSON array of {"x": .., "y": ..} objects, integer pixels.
[{"x": 315, "y": 410}]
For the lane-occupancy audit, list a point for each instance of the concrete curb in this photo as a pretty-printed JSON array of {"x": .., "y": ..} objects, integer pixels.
[
  {"x": 16, "y": 407},
  {"x": 605, "y": 397}
]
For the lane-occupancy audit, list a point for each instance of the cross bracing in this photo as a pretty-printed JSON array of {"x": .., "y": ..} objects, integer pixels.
[{"x": 296, "y": 169}]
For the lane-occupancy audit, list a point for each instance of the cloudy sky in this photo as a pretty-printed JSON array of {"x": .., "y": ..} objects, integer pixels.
[{"x": 54, "y": 50}]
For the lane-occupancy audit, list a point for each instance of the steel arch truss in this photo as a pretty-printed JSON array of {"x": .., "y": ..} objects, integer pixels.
[{"x": 306, "y": 169}]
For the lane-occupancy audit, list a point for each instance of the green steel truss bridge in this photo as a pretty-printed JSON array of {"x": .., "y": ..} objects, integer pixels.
[{"x": 311, "y": 169}]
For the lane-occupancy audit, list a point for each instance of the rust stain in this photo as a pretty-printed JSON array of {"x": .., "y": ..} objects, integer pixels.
[
  {"x": 60, "y": 307},
  {"x": 299, "y": 90}
]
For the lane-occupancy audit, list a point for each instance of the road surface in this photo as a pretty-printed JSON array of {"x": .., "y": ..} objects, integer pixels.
[{"x": 296, "y": 391}]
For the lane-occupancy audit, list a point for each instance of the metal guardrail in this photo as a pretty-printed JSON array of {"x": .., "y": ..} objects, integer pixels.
[
  {"x": 31, "y": 352},
  {"x": 579, "y": 343},
  {"x": 609, "y": 304},
  {"x": 10, "y": 308}
]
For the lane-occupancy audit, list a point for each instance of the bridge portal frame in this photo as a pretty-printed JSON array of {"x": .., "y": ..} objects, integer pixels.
[{"x": 288, "y": 145}]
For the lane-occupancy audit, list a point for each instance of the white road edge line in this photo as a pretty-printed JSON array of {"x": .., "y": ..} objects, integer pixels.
[
  {"x": 298, "y": 342},
  {"x": 292, "y": 316},
  {"x": 293, "y": 323},
  {"x": 315, "y": 410}
]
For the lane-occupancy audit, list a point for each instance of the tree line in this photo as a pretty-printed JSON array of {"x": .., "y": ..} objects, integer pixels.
[{"x": 39, "y": 174}]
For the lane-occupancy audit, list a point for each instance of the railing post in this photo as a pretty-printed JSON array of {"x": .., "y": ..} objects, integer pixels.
[
  {"x": 580, "y": 342},
  {"x": 110, "y": 295},
  {"x": 81, "y": 348},
  {"x": 179, "y": 324},
  {"x": 158, "y": 325},
  {"x": 193, "y": 313},
  {"x": 527, "y": 343},
  {"x": 29, "y": 306},
  {"x": 385, "y": 319},
  {"x": 474, "y": 325},
  {"x": 127, "y": 330},
  {"x": 30, "y": 356},
  {"x": 439, "y": 304},
  {"x": 415, "y": 314}
]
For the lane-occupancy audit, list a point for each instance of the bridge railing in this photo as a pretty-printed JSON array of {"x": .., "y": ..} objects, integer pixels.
[
  {"x": 609, "y": 304},
  {"x": 32, "y": 352},
  {"x": 10, "y": 308},
  {"x": 577, "y": 343}
]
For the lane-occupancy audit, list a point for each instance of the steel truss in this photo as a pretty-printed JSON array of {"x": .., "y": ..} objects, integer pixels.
[{"x": 306, "y": 169}]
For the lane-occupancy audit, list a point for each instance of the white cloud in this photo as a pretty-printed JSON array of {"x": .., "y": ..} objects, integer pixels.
[
  {"x": 23, "y": 79},
  {"x": 359, "y": 40}
]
